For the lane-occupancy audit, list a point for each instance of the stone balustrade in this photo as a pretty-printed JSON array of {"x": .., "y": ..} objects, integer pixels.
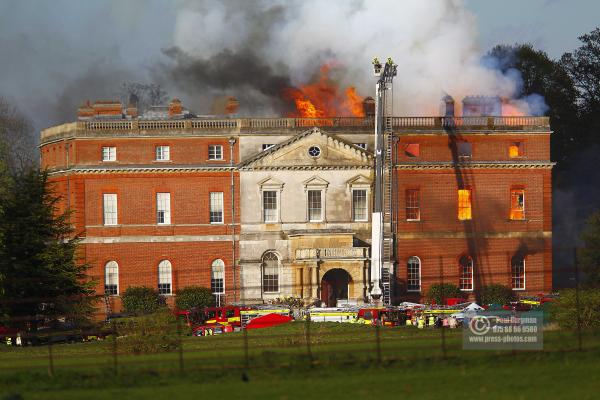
[{"x": 332, "y": 253}]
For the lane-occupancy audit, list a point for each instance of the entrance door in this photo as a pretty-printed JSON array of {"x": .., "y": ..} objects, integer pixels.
[{"x": 334, "y": 286}]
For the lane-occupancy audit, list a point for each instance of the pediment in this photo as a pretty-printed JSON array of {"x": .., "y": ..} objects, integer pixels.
[
  {"x": 359, "y": 181},
  {"x": 270, "y": 183},
  {"x": 315, "y": 181},
  {"x": 310, "y": 149}
]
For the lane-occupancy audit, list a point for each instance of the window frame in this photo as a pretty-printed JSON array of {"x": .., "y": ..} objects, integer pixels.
[
  {"x": 167, "y": 209},
  {"x": 217, "y": 263},
  {"x": 215, "y": 155},
  {"x": 458, "y": 150},
  {"x": 513, "y": 276},
  {"x": 362, "y": 145},
  {"x": 520, "y": 149},
  {"x": 213, "y": 212},
  {"x": 410, "y": 154},
  {"x": 366, "y": 206},
  {"x": 461, "y": 273},
  {"x": 113, "y": 153},
  {"x": 115, "y": 265},
  {"x": 267, "y": 146},
  {"x": 459, "y": 207},
  {"x": 164, "y": 290},
  {"x": 105, "y": 212},
  {"x": 512, "y": 210},
  {"x": 408, "y": 274},
  {"x": 164, "y": 155},
  {"x": 407, "y": 207},
  {"x": 308, "y": 205},
  {"x": 262, "y": 198},
  {"x": 264, "y": 275}
]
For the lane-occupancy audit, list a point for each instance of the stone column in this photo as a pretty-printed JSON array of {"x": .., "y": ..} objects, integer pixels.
[{"x": 314, "y": 281}]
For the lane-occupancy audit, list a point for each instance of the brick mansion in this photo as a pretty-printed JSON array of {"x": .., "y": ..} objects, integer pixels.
[{"x": 264, "y": 208}]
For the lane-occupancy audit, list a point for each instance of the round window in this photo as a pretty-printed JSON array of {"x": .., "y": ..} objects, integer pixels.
[{"x": 314, "y": 151}]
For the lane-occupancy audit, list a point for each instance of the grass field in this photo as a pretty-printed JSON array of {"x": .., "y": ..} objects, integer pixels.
[{"x": 341, "y": 362}]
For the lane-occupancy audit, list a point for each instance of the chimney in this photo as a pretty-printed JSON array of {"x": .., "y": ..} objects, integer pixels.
[
  {"x": 232, "y": 105},
  {"x": 369, "y": 107},
  {"x": 85, "y": 111},
  {"x": 108, "y": 109},
  {"x": 132, "y": 111},
  {"x": 447, "y": 106},
  {"x": 175, "y": 108}
]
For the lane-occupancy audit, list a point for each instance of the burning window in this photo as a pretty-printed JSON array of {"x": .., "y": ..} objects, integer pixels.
[
  {"x": 412, "y": 150},
  {"x": 464, "y": 149},
  {"x": 413, "y": 204},
  {"x": 466, "y": 273},
  {"x": 517, "y": 204},
  {"x": 413, "y": 279},
  {"x": 518, "y": 273},
  {"x": 515, "y": 150},
  {"x": 464, "y": 204}
]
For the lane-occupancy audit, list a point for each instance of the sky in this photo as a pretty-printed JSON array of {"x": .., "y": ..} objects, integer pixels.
[{"x": 55, "y": 54}]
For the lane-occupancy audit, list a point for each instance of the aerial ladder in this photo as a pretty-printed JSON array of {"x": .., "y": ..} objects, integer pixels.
[{"x": 382, "y": 233}]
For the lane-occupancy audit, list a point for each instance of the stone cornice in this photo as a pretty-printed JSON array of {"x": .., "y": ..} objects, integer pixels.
[
  {"x": 141, "y": 169},
  {"x": 305, "y": 167},
  {"x": 477, "y": 164}
]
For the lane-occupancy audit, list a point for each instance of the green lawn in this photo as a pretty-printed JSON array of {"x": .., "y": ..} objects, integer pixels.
[{"x": 342, "y": 363}]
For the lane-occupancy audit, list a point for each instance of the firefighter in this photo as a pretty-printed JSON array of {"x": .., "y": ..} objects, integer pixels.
[{"x": 431, "y": 320}]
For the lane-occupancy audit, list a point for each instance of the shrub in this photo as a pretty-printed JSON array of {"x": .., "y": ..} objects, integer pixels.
[
  {"x": 440, "y": 291},
  {"x": 150, "y": 333},
  {"x": 564, "y": 308},
  {"x": 139, "y": 300},
  {"x": 495, "y": 294},
  {"x": 194, "y": 296}
]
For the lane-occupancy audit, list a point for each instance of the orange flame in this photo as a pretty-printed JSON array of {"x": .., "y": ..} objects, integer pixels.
[{"x": 324, "y": 98}]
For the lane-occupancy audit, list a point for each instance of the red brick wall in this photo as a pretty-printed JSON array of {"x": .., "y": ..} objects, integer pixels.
[{"x": 492, "y": 147}]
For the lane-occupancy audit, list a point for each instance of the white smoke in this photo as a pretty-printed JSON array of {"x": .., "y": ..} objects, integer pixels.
[{"x": 434, "y": 43}]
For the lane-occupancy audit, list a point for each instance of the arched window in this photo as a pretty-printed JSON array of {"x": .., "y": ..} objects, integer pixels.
[
  {"x": 270, "y": 273},
  {"x": 518, "y": 273},
  {"x": 164, "y": 277},
  {"x": 413, "y": 281},
  {"x": 466, "y": 273},
  {"x": 216, "y": 277},
  {"x": 111, "y": 278}
]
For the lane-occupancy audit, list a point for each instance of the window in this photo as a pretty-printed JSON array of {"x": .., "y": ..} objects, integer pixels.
[
  {"x": 466, "y": 273},
  {"x": 464, "y": 149},
  {"x": 270, "y": 212},
  {"x": 216, "y": 277},
  {"x": 315, "y": 207},
  {"x": 110, "y": 208},
  {"x": 111, "y": 278},
  {"x": 215, "y": 152},
  {"x": 314, "y": 151},
  {"x": 413, "y": 204},
  {"x": 361, "y": 145},
  {"x": 464, "y": 204},
  {"x": 267, "y": 146},
  {"x": 109, "y": 154},
  {"x": 216, "y": 207},
  {"x": 163, "y": 153},
  {"x": 163, "y": 208},
  {"x": 164, "y": 277},
  {"x": 517, "y": 204},
  {"x": 359, "y": 205},
  {"x": 270, "y": 273},
  {"x": 515, "y": 149},
  {"x": 412, "y": 150},
  {"x": 518, "y": 273},
  {"x": 413, "y": 280}
]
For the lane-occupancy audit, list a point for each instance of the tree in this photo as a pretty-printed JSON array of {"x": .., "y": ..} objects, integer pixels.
[
  {"x": 546, "y": 77},
  {"x": 439, "y": 292},
  {"x": 39, "y": 268},
  {"x": 495, "y": 294},
  {"x": 141, "y": 300},
  {"x": 583, "y": 66},
  {"x": 17, "y": 142},
  {"x": 589, "y": 255},
  {"x": 194, "y": 296}
]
